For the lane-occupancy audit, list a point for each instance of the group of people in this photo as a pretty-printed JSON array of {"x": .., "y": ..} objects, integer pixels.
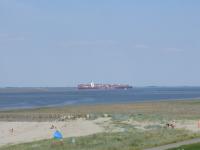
[{"x": 171, "y": 124}]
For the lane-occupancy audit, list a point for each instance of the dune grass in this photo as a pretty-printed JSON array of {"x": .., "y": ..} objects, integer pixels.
[{"x": 131, "y": 139}]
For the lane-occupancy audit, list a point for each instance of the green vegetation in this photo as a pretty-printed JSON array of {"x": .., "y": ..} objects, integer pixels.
[
  {"x": 130, "y": 139},
  {"x": 152, "y": 111},
  {"x": 188, "y": 147}
]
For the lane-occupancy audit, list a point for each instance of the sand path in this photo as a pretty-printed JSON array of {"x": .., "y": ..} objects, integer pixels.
[
  {"x": 31, "y": 131},
  {"x": 175, "y": 145}
]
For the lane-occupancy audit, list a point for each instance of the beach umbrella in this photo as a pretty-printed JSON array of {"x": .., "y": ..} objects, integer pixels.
[{"x": 57, "y": 135}]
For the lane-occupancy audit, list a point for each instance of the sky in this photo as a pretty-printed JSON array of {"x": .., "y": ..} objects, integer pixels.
[{"x": 67, "y": 42}]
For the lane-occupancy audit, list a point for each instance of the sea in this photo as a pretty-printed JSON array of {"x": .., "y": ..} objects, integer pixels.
[{"x": 20, "y": 98}]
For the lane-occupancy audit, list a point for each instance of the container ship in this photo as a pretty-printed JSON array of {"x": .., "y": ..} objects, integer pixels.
[{"x": 92, "y": 85}]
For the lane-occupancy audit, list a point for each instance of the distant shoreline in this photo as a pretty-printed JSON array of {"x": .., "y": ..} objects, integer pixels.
[{"x": 50, "y": 89}]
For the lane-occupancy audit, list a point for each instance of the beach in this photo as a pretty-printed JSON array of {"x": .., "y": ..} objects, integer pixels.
[
  {"x": 32, "y": 125},
  {"x": 34, "y": 131}
]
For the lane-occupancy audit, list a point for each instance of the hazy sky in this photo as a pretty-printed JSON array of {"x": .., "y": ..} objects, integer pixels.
[{"x": 66, "y": 42}]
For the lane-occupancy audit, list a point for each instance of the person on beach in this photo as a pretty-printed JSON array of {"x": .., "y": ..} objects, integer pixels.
[
  {"x": 11, "y": 130},
  {"x": 53, "y": 127},
  {"x": 198, "y": 124}
]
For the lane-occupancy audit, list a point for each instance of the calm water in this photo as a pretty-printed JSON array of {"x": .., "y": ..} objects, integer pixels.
[{"x": 71, "y": 96}]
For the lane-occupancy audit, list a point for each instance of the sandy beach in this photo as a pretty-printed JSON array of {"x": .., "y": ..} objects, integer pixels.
[
  {"x": 33, "y": 131},
  {"x": 141, "y": 119},
  {"x": 24, "y": 132}
]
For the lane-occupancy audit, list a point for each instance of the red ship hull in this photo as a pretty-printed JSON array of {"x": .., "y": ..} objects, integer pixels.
[{"x": 104, "y": 86}]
